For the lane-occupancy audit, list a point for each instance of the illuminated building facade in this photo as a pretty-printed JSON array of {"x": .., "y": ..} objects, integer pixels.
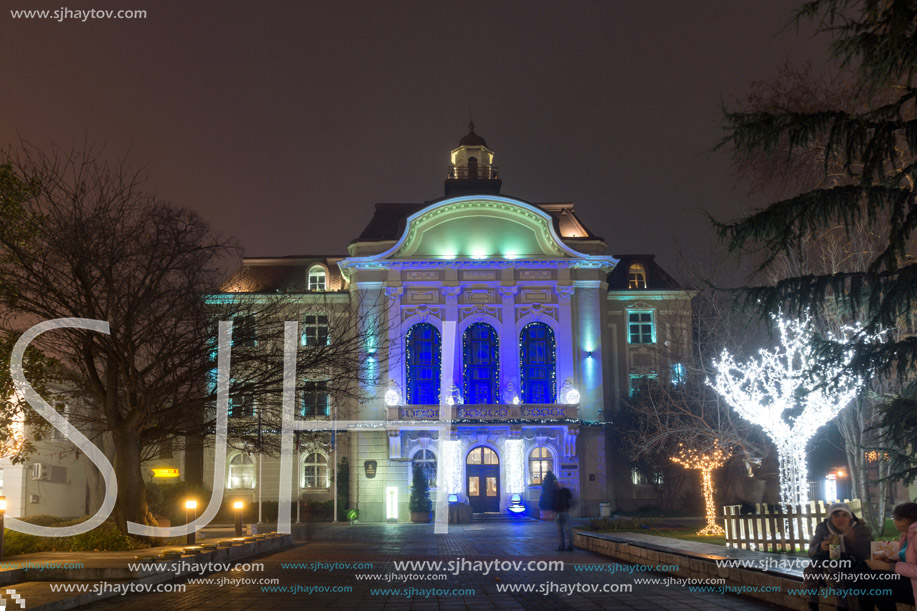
[{"x": 510, "y": 335}]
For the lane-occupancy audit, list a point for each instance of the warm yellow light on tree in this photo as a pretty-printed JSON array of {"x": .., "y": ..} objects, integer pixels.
[{"x": 705, "y": 462}]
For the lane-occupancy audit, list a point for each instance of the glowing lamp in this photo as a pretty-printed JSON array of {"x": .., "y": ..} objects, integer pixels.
[
  {"x": 238, "y": 505},
  {"x": 392, "y": 397},
  {"x": 2, "y": 503},
  {"x": 190, "y": 504},
  {"x": 572, "y": 397},
  {"x": 453, "y": 498},
  {"x": 515, "y": 506}
]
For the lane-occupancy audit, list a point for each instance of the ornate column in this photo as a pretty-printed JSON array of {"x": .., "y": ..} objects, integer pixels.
[
  {"x": 395, "y": 343},
  {"x": 450, "y": 320},
  {"x": 509, "y": 346},
  {"x": 565, "y": 339}
]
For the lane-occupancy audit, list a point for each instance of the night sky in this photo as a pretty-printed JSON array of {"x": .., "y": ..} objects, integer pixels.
[{"x": 284, "y": 122}]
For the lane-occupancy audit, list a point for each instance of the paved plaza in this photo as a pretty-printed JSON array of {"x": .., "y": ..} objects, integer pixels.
[{"x": 332, "y": 582}]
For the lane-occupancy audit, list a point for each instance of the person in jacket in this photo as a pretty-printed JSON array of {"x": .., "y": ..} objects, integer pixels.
[
  {"x": 851, "y": 537},
  {"x": 904, "y": 563}
]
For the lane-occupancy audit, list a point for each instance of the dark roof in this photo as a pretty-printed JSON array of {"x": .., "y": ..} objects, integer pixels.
[
  {"x": 388, "y": 220},
  {"x": 281, "y": 274},
  {"x": 656, "y": 277},
  {"x": 472, "y": 139}
]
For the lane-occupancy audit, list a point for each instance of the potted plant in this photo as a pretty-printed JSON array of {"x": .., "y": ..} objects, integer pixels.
[
  {"x": 548, "y": 491},
  {"x": 420, "y": 505}
]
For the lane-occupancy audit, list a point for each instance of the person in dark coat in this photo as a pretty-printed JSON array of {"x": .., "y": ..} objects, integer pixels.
[
  {"x": 563, "y": 503},
  {"x": 851, "y": 537}
]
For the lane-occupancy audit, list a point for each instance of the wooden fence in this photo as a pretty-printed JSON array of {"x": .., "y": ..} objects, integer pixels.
[{"x": 770, "y": 528}]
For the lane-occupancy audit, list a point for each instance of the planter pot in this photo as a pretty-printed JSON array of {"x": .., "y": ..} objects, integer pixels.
[
  {"x": 548, "y": 516},
  {"x": 421, "y": 517}
]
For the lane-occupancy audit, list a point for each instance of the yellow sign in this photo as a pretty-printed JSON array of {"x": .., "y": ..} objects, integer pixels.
[{"x": 165, "y": 472}]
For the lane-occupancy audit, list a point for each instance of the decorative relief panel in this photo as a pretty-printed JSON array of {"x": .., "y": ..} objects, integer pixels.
[
  {"x": 536, "y": 274},
  {"x": 540, "y": 295},
  {"x": 479, "y": 275},
  {"x": 479, "y": 296},
  {"x": 423, "y": 311},
  {"x": 537, "y": 310},
  {"x": 422, "y": 275},
  {"x": 422, "y": 297},
  {"x": 494, "y": 311}
]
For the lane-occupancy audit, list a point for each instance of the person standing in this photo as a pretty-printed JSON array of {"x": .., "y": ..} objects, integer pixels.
[{"x": 563, "y": 503}]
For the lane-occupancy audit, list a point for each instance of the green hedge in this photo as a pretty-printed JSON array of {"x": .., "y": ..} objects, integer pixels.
[{"x": 105, "y": 537}]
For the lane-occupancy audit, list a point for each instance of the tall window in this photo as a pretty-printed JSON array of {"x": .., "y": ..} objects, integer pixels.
[
  {"x": 314, "y": 399},
  {"x": 540, "y": 462},
  {"x": 242, "y": 406},
  {"x": 244, "y": 331},
  {"x": 640, "y": 381},
  {"x": 537, "y": 360},
  {"x": 241, "y": 472},
  {"x": 427, "y": 462},
  {"x": 636, "y": 276},
  {"x": 640, "y": 328},
  {"x": 317, "y": 278},
  {"x": 315, "y": 470},
  {"x": 422, "y": 364},
  {"x": 315, "y": 330},
  {"x": 482, "y": 364}
]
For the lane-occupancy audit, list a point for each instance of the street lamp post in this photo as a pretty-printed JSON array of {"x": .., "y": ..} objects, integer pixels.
[
  {"x": 190, "y": 507},
  {"x": 238, "y": 505}
]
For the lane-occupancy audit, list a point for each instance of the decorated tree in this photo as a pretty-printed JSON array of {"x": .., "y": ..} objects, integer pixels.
[
  {"x": 706, "y": 463},
  {"x": 420, "y": 493},
  {"x": 779, "y": 392}
]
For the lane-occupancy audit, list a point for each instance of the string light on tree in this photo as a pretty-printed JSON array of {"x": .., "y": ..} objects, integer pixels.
[
  {"x": 706, "y": 463},
  {"x": 777, "y": 391}
]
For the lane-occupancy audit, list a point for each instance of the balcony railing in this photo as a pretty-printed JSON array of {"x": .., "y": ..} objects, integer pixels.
[
  {"x": 473, "y": 173},
  {"x": 535, "y": 411}
]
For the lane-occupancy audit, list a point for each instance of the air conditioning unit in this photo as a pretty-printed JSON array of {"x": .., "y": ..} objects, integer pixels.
[
  {"x": 34, "y": 499},
  {"x": 40, "y": 471}
]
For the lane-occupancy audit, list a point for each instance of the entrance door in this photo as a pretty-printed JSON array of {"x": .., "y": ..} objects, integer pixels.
[{"x": 482, "y": 473}]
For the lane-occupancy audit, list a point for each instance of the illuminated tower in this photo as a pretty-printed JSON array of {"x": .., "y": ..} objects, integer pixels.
[{"x": 472, "y": 170}]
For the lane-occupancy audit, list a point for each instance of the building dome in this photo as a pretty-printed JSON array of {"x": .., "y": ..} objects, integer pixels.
[{"x": 472, "y": 139}]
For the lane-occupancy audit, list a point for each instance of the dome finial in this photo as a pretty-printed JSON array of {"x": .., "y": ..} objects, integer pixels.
[{"x": 470, "y": 121}]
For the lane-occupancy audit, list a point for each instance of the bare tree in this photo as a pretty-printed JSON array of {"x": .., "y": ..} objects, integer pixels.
[{"x": 102, "y": 248}]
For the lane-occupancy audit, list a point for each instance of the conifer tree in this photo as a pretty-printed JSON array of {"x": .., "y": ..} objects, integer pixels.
[{"x": 875, "y": 144}]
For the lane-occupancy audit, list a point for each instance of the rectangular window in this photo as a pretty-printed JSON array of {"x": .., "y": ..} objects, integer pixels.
[
  {"x": 679, "y": 374},
  {"x": 315, "y": 330},
  {"x": 314, "y": 399},
  {"x": 639, "y": 381},
  {"x": 640, "y": 328},
  {"x": 242, "y": 406},
  {"x": 244, "y": 331},
  {"x": 640, "y": 479}
]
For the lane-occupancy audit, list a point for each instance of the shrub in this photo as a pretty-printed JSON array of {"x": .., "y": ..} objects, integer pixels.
[{"x": 420, "y": 493}]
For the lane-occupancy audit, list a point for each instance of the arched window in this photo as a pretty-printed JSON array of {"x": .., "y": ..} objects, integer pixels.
[
  {"x": 482, "y": 455},
  {"x": 482, "y": 364},
  {"x": 537, "y": 360},
  {"x": 314, "y": 470},
  {"x": 472, "y": 168},
  {"x": 422, "y": 364},
  {"x": 241, "y": 472},
  {"x": 426, "y": 459},
  {"x": 636, "y": 276},
  {"x": 317, "y": 278},
  {"x": 540, "y": 462}
]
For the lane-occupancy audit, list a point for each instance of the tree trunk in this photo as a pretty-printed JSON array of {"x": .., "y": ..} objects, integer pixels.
[{"x": 131, "y": 502}]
